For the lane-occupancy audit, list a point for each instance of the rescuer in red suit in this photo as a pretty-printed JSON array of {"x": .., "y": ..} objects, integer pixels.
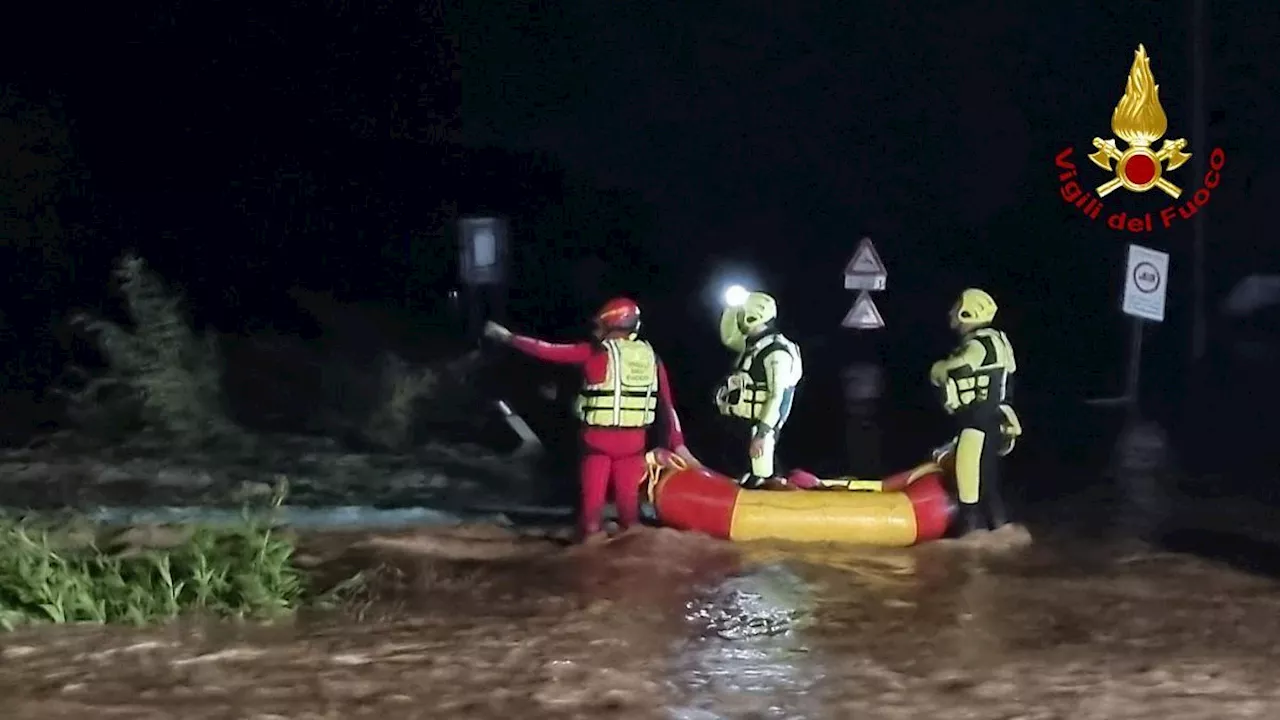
[{"x": 624, "y": 388}]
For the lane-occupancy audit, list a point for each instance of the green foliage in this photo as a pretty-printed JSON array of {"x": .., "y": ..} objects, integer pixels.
[
  {"x": 403, "y": 388},
  {"x": 159, "y": 367},
  {"x": 49, "y": 575}
]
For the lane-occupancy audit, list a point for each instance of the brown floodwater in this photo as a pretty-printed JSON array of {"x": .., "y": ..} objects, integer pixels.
[{"x": 480, "y": 622}]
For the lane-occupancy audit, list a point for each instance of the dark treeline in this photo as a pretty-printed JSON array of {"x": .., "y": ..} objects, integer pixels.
[{"x": 252, "y": 153}]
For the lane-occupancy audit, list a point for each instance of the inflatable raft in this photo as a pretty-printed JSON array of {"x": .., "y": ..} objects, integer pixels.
[{"x": 905, "y": 509}]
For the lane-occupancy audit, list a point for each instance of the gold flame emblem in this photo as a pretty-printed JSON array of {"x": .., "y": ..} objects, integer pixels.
[{"x": 1140, "y": 121}]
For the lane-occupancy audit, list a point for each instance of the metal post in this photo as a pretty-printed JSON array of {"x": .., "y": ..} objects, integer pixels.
[
  {"x": 1134, "y": 379},
  {"x": 1199, "y": 134},
  {"x": 498, "y": 303},
  {"x": 1138, "y": 463},
  {"x": 475, "y": 312},
  {"x": 863, "y": 386}
]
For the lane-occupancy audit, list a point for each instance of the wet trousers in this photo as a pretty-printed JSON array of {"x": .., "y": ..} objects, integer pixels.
[
  {"x": 733, "y": 436},
  {"x": 611, "y": 457},
  {"x": 977, "y": 463},
  {"x": 760, "y": 468}
]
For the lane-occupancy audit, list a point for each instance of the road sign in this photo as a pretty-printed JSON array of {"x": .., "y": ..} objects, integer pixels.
[
  {"x": 482, "y": 246},
  {"x": 865, "y": 271},
  {"x": 864, "y": 315},
  {"x": 1146, "y": 281}
]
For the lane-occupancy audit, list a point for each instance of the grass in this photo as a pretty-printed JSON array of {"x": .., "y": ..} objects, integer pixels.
[{"x": 54, "y": 572}]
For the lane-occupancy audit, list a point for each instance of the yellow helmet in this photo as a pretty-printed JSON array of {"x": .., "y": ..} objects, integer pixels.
[
  {"x": 759, "y": 310},
  {"x": 974, "y": 308},
  {"x": 730, "y": 336}
]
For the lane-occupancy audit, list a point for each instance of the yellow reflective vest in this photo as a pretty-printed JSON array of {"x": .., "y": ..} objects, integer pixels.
[
  {"x": 978, "y": 373},
  {"x": 746, "y": 392},
  {"x": 628, "y": 397}
]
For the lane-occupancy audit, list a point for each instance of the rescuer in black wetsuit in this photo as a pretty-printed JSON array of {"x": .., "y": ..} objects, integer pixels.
[{"x": 976, "y": 384}]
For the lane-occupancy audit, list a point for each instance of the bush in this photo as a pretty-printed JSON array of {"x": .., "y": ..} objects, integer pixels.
[
  {"x": 158, "y": 370},
  {"x": 425, "y": 400},
  {"x": 49, "y": 575},
  {"x": 403, "y": 388}
]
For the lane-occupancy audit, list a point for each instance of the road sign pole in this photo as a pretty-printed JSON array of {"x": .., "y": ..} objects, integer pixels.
[
  {"x": 475, "y": 312},
  {"x": 1146, "y": 287},
  {"x": 862, "y": 382},
  {"x": 863, "y": 376},
  {"x": 1133, "y": 381}
]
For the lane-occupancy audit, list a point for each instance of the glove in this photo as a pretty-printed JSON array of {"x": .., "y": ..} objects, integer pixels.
[
  {"x": 496, "y": 332},
  {"x": 942, "y": 451},
  {"x": 1010, "y": 430},
  {"x": 938, "y": 373}
]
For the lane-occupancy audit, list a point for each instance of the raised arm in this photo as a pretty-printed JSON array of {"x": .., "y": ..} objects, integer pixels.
[
  {"x": 566, "y": 354},
  {"x": 562, "y": 353}
]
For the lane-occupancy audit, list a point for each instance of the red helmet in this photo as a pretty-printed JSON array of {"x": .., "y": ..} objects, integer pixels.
[{"x": 619, "y": 314}]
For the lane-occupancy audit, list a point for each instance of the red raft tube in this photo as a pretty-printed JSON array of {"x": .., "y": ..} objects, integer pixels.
[{"x": 901, "y": 510}]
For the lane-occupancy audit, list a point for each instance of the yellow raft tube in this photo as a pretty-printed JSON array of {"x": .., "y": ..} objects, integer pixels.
[{"x": 905, "y": 509}]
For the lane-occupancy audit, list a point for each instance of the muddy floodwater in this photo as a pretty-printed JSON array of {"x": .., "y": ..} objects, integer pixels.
[{"x": 481, "y": 622}]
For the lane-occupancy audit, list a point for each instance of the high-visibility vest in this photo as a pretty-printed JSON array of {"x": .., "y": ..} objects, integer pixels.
[
  {"x": 628, "y": 397},
  {"x": 746, "y": 391},
  {"x": 987, "y": 384}
]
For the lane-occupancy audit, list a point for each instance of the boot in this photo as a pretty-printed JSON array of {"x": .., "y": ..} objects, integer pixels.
[
  {"x": 755, "y": 482},
  {"x": 969, "y": 518},
  {"x": 779, "y": 483},
  {"x": 994, "y": 513}
]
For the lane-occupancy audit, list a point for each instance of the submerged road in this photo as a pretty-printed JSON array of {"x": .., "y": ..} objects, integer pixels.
[{"x": 482, "y": 622}]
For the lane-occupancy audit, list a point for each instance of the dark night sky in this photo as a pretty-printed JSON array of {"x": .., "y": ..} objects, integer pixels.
[
  {"x": 930, "y": 126},
  {"x": 762, "y": 136},
  {"x": 779, "y": 134}
]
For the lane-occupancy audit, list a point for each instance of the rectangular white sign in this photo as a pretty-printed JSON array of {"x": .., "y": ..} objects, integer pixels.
[
  {"x": 1146, "y": 283},
  {"x": 482, "y": 250}
]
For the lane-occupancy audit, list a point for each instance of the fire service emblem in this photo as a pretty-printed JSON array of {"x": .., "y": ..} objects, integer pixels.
[{"x": 1139, "y": 122}]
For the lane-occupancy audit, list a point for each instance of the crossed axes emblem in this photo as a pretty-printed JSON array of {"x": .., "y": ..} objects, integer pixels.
[{"x": 1170, "y": 151}]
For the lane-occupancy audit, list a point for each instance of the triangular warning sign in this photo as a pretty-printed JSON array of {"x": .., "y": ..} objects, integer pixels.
[
  {"x": 865, "y": 261},
  {"x": 864, "y": 315}
]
